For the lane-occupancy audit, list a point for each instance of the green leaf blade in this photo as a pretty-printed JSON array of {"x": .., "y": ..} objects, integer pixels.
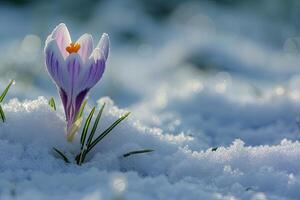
[
  {"x": 52, "y": 103},
  {"x": 214, "y": 149},
  {"x": 86, "y": 127},
  {"x": 61, "y": 155},
  {"x": 90, "y": 138},
  {"x": 138, "y": 152},
  {"x": 81, "y": 157},
  {"x": 5, "y": 91},
  {"x": 2, "y": 115},
  {"x": 80, "y": 112},
  {"x": 107, "y": 131}
]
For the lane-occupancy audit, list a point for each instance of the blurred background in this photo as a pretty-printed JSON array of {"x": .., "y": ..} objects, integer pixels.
[{"x": 193, "y": 67}]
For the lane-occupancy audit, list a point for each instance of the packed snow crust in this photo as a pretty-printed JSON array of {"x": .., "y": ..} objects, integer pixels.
[{"x": 30, "y": 169}]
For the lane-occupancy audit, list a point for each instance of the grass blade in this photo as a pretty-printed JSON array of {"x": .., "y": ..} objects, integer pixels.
[
  {"x": 80, "y": 112},
  {"x": 107, "y": 131},
  {"x": 137, "y": 152},
  {"x": 81, "y": 157},
  {"x": 214, "y": 149},
  {"x": 86, "y": 126},
  {"x": 83, "y": 136},
  {"x": 61, "y": 155},
  {"x": 90, "y": 138},
  {"x": 5, "y": 91},
  {"x": 2, "y": 115},
  {"x": 52, "y": 103}
]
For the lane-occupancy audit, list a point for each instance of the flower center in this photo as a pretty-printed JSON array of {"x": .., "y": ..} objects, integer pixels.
[{"x": 73, "y": 48}]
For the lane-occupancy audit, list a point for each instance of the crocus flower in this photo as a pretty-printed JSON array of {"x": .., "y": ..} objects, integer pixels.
[{"x": 75, "y": 67}]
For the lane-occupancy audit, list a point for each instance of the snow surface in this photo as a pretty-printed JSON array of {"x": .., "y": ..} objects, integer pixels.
[{"x": 30, "y": 169}]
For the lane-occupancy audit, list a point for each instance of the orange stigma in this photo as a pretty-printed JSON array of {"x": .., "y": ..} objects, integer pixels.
[{"x": 73, "y": 48}]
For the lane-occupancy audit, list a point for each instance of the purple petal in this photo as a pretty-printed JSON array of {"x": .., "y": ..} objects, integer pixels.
[
  {"x": 64, "y": 99},
  {"x": 94, "y": 69},
  {"x": 103, "y": 45},
  {"x": 74, "y": 69},
  {"x": 56, "y": 65},
  {"x": 86, "y": 46},
  {"x": 62, "y": 36},
  {"x": 79, "y": 99},
  {"x": 70, "y": 115}
]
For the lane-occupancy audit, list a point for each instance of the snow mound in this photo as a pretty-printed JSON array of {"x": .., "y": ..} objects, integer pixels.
[{"x": 30, "y": 170}]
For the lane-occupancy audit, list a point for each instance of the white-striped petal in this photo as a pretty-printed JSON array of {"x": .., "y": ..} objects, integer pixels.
[
  {"x": 103, "y": 45},
  {"x": 62, "y": 37},
  {"x": 86, "y": 46},
  {"x": 56, "y": 65}
]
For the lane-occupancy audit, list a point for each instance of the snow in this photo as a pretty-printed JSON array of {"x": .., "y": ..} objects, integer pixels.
[{"x": 30, "y": 169}]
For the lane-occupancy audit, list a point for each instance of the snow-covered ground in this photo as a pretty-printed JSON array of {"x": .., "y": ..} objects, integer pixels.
[
  {"x": 30, "y": 170},
  {"x": 206, "y": 76}
]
